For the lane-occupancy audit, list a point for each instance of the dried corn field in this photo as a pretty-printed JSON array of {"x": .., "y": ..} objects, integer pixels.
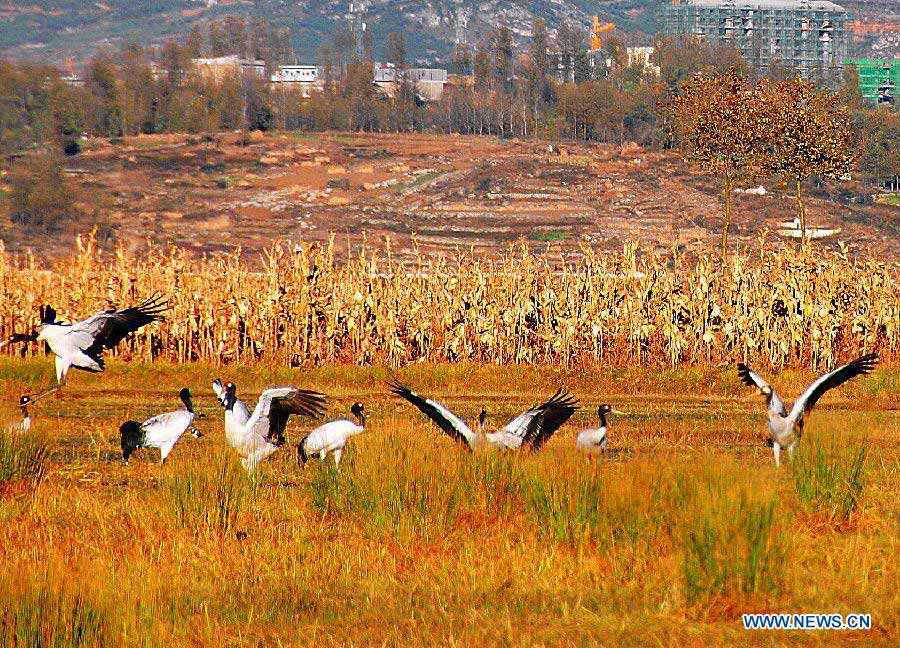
[{"x": 304, "y": 308}]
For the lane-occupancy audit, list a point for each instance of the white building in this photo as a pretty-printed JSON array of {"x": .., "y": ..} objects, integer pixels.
[
  {"x": 642, "y": 56},
  {"x": 305, "y": 78},
  {"x": 295, "y": 74},
  {"x": 221, "y": 67},
  {"x": 429, "y": 82}
]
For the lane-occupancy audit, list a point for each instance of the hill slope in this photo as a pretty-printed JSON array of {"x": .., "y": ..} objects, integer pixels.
[
  {"x": 59, "y": 29},
  {"x": 56, "y": 30}
]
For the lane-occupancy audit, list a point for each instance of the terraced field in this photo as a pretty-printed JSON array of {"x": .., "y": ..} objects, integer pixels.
[{"x": 434, "y": 193}]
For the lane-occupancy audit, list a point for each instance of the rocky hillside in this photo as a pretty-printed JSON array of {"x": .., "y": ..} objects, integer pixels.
[
  {"x": 61, "y": 29},
  {"x": 57, "y": 30}
]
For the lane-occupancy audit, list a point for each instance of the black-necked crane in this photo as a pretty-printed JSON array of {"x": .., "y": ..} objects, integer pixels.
[
  {"x": 258, "y": 435},
  {"x": 236, "y": 411},
  {"x": 531, "y": 429},
  {"x": 161, "y": 431},
  {"x": 785, "y": 427},
  {"x": 25, "y": 424},
  {"x": 81, "y": 345},
  {"x": 332, "y": 437},
  {"x": 596, "y": 438}
]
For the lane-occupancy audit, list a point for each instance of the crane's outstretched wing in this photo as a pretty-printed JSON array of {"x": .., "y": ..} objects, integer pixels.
[
  {"x": 750, "y": 377},
  {"x": 277, "y": 404},
  {"x": 450, "y": 423},
  {"x": 753, "y": 379},
  {"x": 105, "y": 330},
  {"x": 862, "y": 365},
  {"x": 549, "y": 418},
  {"x": 535, "y": 426},
  {"x": 298, "y": 401}
]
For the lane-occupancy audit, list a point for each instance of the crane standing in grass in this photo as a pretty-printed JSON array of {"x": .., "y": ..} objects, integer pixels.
[
  {"x": 161, "y": 431},
  {"x": 25, "y": 424},
  {"x": 332, "y": 437},
  {"x": 787, "y": 428},
  {"x": 259, "y": 435},
  {"x": 81, "y": 345},
  {"x": 596, "y": 439}
]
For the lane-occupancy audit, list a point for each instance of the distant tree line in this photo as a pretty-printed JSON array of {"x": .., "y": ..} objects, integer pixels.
[{"x": 550, "y": 92}]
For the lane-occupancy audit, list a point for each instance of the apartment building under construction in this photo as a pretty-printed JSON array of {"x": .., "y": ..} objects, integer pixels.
[{"x": 809, "y": 36}]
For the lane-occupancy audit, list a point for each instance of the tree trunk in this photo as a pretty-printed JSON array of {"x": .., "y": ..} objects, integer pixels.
[
  {"x": 801, "y": 211},
  {"x": 725, "y": 226}
]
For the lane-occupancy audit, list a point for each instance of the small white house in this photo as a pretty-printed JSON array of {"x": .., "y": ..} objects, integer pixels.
[
  {"x": 222, "y": 67},
  {"x": 643, "y": 57}
]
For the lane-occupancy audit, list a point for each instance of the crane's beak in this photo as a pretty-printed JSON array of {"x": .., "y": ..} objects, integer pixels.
[
  {"x": 34, "y": 399},
  {"x": 617, "y": 412}
]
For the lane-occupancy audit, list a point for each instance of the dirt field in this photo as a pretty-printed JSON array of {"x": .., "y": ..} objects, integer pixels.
[{"x": 435, "y": 192}]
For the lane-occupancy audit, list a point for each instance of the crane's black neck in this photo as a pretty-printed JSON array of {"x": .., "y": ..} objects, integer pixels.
[{"x": 602, "y": 418}]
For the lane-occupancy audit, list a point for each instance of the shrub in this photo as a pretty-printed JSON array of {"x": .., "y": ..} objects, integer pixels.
[
  {"x": 590, "y": 507},
  {"x": 730, "y": 543},
  {"x": 43, "y": 618},
  {"x": 401, "y": 497},
  {"x": 72, "y": 147},
  {"x": 204, "y": 503}
]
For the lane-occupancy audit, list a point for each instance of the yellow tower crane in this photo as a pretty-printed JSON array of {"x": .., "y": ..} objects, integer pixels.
[{"x": 596, "y": 30}]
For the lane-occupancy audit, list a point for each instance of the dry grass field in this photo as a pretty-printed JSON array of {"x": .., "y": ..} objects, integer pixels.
[{"x": 685, "y": 524}]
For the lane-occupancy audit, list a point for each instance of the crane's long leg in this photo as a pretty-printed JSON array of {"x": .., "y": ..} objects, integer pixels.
[
  {"x": 776, "y": 449},
  {"x": 337, "y": 457}
]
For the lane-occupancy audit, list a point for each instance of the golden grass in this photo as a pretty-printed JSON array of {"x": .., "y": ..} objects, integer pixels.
[
  {"x": 416, "y": 542},
  {"x": 778, "y": 309}
]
